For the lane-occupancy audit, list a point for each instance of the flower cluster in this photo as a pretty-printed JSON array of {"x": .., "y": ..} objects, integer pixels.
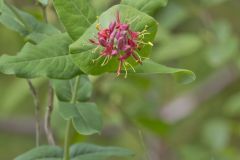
[{"x": 119, "y": 40}]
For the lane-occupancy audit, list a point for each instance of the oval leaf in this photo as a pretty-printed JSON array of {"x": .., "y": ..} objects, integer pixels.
[
  {"x": 150, "y": 67},
  {"x": 83, "y": 51},
  {"x": 42, "y": 153},
  {"x": 49, "y": 58},
  {"x": 91, "y": 152},
  {"x": 64, "y": 89},
  {"x": 86, "y": 116},
  {"x": 76, "y": 15}
]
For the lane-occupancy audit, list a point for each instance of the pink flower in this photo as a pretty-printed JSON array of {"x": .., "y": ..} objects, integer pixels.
[{"x": 120, "y": 41}]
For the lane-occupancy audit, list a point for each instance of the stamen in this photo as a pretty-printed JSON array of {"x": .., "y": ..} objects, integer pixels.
[
  {"x": 94, "y": 60},
  {"x": 105, "y": 61},
  {"x": 95, "y": 50},
  {"x": 126, "y": 72},
  {"x": 150, "y": 43},
  {"x": 137, "y": 57},
  {"x": 98, "y": 25},
  {"x": 119, "y": 67},
  {"x": 128, "y": 64}
]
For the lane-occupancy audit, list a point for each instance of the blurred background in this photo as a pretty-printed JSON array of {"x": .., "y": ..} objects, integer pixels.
[{"x": 154, "y": 116}]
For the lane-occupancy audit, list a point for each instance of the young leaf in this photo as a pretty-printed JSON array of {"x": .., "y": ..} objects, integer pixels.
[
  {"x": 42, "y": 153},
  {"x": 24, "y": 23},
  {"x": 83, "y": 52},
  {"x": 91, "y": 152},
  {"x": 49, "y": 58},
  {"x": 147, "y": 6},
  {"x": 150, "y": 67},
  {"x": 64, "y": 89},
  {"x": 86, "y": 117},
  {"x": 76, "y": 15}
]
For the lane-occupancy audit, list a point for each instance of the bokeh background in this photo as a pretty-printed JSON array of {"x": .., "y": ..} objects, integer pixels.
[{"x": 154, "y": 116}]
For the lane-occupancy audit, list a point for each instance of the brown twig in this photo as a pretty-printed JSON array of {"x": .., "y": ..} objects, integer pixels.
[
  {"x": 47, "y": 121},
  {"x": 37, "y": 110}
]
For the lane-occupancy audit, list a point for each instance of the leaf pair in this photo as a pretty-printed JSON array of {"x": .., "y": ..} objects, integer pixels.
[
  {"x": 85, "y": 116},
  {"x": 82, "y": 151}
]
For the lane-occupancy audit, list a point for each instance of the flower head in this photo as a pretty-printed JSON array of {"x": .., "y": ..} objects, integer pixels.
[{"x": 120, "y": 41}]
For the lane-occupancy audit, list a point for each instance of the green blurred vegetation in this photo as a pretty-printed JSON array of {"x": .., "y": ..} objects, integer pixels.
[{"x": 154, "y": 116}]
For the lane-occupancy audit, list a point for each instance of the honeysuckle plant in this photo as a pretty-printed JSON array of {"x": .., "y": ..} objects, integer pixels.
[{"x": 118, "y": 41}]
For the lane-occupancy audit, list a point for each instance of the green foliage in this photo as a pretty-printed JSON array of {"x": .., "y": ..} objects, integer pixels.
[
  {"x": 76, "y": 16},
  {"x": 42, "y": 153},
  {"x": 147, "y": 6},
  {"x": 85, "y": 116},
  {"x": 64, "y": 89},
  {"x": 83, "y": 51},
  {"x": 89, "y": 152},
  {"x": 49, "y": 59},
  {"x": 24, "y": 23}
]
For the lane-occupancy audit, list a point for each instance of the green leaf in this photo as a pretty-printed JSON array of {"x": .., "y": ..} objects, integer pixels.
[
  {"x": 150, "y": 67},
  {"x": 85, "y": 116},
  {"x": 93, "y": 152},
  {"x": 43, "y": 2},
  {"x": 76, "y": 15},
  {"x": 42, "y": 153},
  {"x": 147, "y": 6},
  {"x": 82, "y": 49},
  {"x": 49, "y": 58},
  {"x": 24, "y": 23},
  {"x": 64, "y": 89}
]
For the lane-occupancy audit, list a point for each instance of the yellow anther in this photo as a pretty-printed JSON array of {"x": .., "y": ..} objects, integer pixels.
[
  {"x": 98, "y": 26},
  {"x": 150, "y": 43}
]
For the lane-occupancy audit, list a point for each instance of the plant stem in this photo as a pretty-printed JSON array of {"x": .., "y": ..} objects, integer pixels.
[
  {"x": 66, "y": 141},
  {"x": 37, "y": 109},
  {"x": 69, "y": 122},
  {"x": 47, "y": 121}
]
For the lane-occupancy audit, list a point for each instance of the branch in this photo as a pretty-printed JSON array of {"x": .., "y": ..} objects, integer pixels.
[
  {"x": 37, "y": 110},
  {"x": 47, "y": 121}
]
